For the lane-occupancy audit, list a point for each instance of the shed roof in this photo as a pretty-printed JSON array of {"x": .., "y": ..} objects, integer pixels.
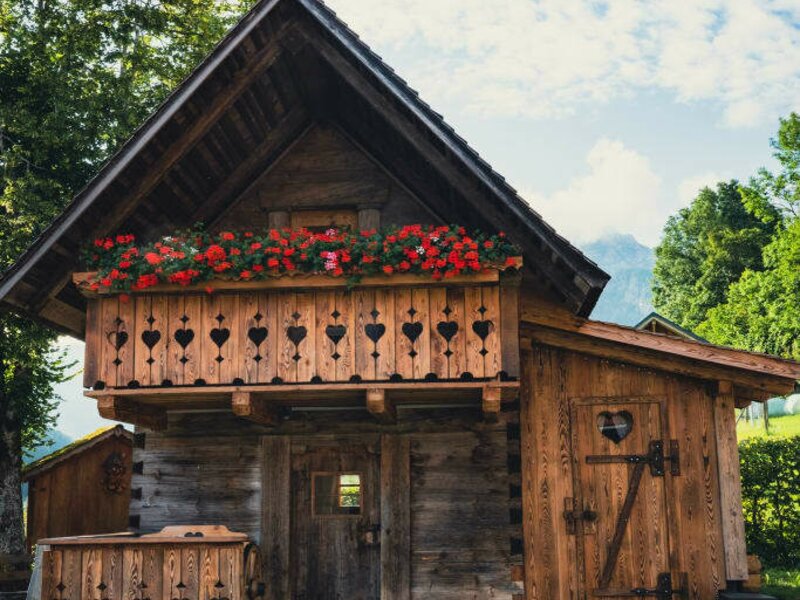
[
  {"x": 74, "y": 448},
  {"x": 284, "y": 66}
]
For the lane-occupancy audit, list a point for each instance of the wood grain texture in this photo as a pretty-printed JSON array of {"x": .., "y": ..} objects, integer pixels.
[
  {"x": 395, "y": 517},
  {"x": 730, "y": 484},
  {"x": 563, "y": 566},
  {"x": 322, "y": 336},
  {"x": 275, "y": 515}
]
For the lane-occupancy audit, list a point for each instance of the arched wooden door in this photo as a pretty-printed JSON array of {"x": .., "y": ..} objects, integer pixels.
[{"x": 620, "y": 512}]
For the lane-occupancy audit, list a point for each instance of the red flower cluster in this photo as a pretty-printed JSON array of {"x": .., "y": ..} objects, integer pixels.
[{"x": 194, "y": 256}]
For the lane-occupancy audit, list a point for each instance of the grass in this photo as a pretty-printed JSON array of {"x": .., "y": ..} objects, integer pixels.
[
  {"x": 783, "y": 584},
  {"x": 787, "y": 426}
]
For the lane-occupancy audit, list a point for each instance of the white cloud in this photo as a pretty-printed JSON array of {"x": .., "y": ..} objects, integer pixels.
[
  {"x": 551, "y": 57},
  {"x": 691, "y": 186},
  {"x": 620, "y": 192}
]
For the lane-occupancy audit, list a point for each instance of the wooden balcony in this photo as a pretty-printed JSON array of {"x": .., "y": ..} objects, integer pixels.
[
  {"x": 302, "y": 340},
  {"x": 186, "y": 563}
]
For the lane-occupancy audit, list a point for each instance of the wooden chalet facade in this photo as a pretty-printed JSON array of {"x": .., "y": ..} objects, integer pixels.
[{"x": 407, "y": 438}]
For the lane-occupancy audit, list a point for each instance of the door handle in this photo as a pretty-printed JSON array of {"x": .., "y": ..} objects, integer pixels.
[{"x": 371, "y": 534}]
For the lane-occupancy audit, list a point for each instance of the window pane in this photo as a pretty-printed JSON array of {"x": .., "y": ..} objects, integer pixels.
[{"x": 337, "y": 494}]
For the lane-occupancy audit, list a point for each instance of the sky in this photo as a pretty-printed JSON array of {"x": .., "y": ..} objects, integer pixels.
[{"x": 607, "y": 117}]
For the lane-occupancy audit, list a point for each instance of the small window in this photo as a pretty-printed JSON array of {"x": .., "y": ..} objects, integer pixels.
[{"x": 336, "y": 494}]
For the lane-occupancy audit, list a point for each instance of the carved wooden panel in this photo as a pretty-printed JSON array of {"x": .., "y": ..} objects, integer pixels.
[
  {"x": 131, "y": 571},
  {"x": 323, "y": 336}
]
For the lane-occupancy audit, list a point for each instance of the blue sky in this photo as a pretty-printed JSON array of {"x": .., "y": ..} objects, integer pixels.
[{"x": 606, "y": 116}]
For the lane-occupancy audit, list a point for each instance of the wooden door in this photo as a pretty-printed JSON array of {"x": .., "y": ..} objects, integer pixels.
[
  {"x": 620, "y": 511},
  {"x": 335, "y": 522}
]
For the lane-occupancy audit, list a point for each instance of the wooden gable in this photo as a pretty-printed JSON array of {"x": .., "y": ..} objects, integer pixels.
[{"x": 324, "y": 170}]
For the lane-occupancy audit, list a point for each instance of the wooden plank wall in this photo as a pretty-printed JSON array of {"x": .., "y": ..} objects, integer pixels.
[
  {"x": 70, "y": 498},
  {"x": 273, "y": 337},
  {"x": 550, "y": 379},
  {"x": 214, "y": 468}
]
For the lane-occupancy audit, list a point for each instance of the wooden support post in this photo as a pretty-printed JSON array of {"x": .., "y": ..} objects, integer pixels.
[
  {"x": 395, "y": 517},
  {"x": 491, "y": 400},
  {"x": 730, "y": 485},
  {"x": 509, "y": 322},
  {"x": 246, "y": 406},
  {"x": 276, "y": 508},
  {"x": 130, "y": 411},
  {"x": 381, "y": 407}
]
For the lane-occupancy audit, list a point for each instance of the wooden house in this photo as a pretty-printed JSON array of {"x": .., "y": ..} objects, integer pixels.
[
  {"x": 82, "y": 488},
  {"x": 520, "y": 451}
]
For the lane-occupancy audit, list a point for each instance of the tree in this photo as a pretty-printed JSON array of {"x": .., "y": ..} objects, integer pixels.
[
  {"x": 705, "y": 248},
  {"x": 76, "y": 78},
  {"x": 762, "y": 309}
]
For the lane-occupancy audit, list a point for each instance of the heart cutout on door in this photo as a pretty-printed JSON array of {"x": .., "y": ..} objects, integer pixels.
[{"x": 615, "y": 426}]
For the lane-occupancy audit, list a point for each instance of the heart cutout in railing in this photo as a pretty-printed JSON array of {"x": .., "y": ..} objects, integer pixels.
[
  {"x": 117, "y": 339},
  {"x": 447, "y": 329},
  {"x": 184, "y": 337},
  {"x": 482, "y": 329},
  {"x": 615, "y": 426},
  {"x": 219, "y": 335},
  {"x": 151, "y": 338},
  {"x": 296, "y": 333},
  {"x": 335, "y": 333},
  {"x": 412, "y": 331},
  {"x": 257, "y": 335},
  {"x": 375, "y": 331}
]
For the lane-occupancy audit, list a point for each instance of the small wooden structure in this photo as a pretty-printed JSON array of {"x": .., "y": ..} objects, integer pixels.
[
  {"x": 82, "y": 488},
  {"x": 190, "y": 563},
  {"x": 657, "y": 323},
  {"x": 406, "y": 438}
]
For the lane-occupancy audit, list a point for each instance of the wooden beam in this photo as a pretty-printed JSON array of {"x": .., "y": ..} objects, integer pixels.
[
  {"x": 276, "y": 510},
  {"x": 656, "y": 358},
  {"x": 128, "y": 410},
  {"x": 491, "y": 399},
  {"x": 380, "y": 406},
  {"x": 730, "y": 483},
  {"x": 254, "y": 409},
  {"x": 395, "y": 517}
]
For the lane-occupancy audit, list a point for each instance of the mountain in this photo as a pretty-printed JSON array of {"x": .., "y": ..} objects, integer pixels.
[
  {"x": 52, "y": 442},
  {"x": 627, "y": 298}
]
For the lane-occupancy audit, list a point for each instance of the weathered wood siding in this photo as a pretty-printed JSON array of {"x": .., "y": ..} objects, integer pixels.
[
  {"x": 553, "y": 381},
  {"x": 209, "y": 468},
  {"x": 71, "y": 497},
  {"x": 324, "y": 169}
]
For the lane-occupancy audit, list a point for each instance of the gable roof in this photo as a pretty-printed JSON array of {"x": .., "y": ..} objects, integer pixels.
[
  {"x": 284, "y": 66},
  {"x": 74, "y": 448},
  {"x": 656, "y": 319}
]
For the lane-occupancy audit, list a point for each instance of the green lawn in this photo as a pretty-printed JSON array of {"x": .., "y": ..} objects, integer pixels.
[
  {"x": 782, "y": 584},
  {"x": 778, "y": 426}
]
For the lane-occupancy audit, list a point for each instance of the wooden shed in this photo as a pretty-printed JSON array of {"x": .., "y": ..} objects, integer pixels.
[
  {"x": 398, "y": 436},
  {"x": 82, "y": 488}
]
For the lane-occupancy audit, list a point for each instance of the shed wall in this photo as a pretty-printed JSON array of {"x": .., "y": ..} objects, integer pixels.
[{"x": 554, "y": 379}]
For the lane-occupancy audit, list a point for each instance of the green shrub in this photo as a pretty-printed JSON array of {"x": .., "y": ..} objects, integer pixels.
[{"x": 771, "y": 499}]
